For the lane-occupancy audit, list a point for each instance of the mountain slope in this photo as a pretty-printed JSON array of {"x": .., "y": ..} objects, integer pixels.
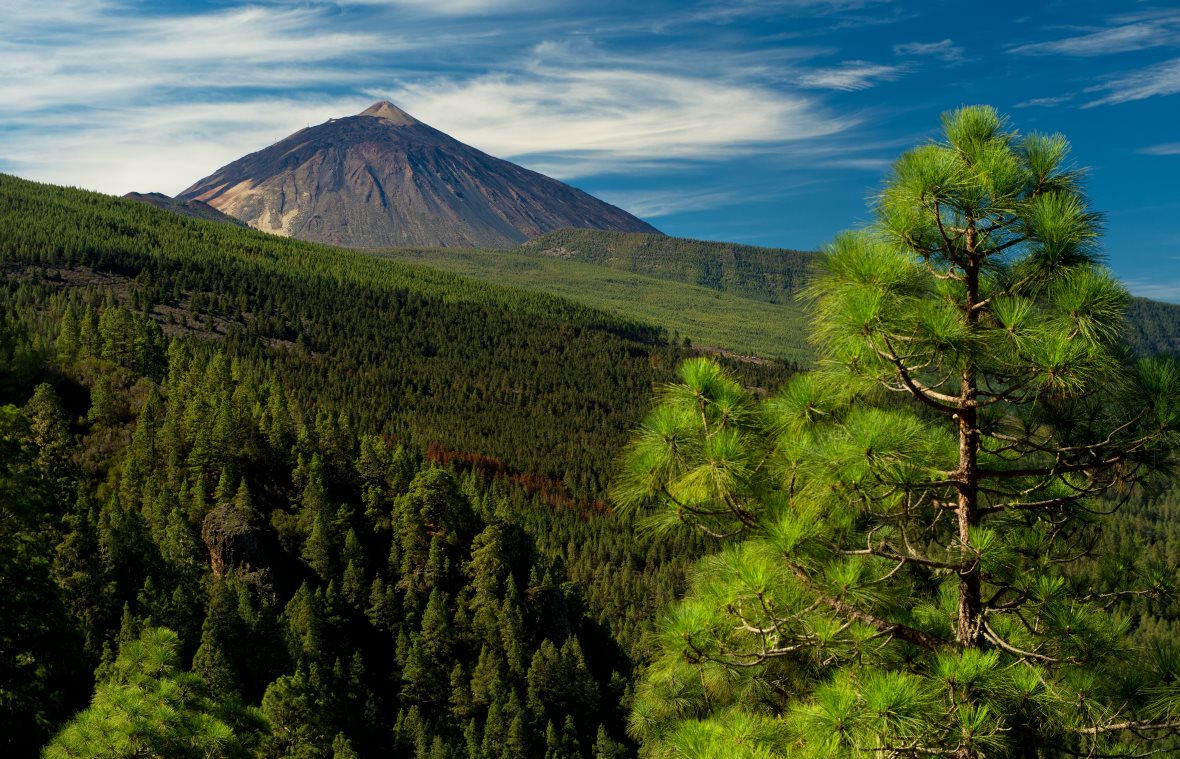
[
  {"x": 382, "y": 178},
  {"x": 736, "y": 298},
  {"x": 709, "y": 318},
  {"x": 424, "y": 356},
  {"x": 192, "y": 208},
  {"x": 773, "y": 275}
]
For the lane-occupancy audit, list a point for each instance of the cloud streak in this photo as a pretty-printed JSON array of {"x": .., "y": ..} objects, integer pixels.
[
  {"x": 852, "y": 76},
  {"x": 455, "y": 7},
  {"x": 944, "y": 50},
  {"x": 1168, "y": 148},
  {"x": 155, "y": 103},
  {"x": 1166, "y": 290},
  {"x": 600, "y": 119},
  {"x": 1045, "y": 102},
  {"x": 656, "y": 204},
  {"x": 1153, "y": 81},
  {"x": 1150, "y": 32}
]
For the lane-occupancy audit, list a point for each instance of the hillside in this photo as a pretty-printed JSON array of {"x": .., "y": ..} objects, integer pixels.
[
  {"x": 194, "y": 208},
  {"x": 479, "y": 360},
  {"x": 1153, "y": 327},
  {"x": 708, "y": 317},
  {"x": 773, "y": 275},
  {"x": 735, "y": 297},
  {"x": 357, "y": 491},
  {"x": 382, "y": 178},
  {"x": 363, "y": 493}
]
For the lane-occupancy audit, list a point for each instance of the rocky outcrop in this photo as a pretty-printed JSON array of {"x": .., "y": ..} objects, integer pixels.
[{"x": 235, "y": 542}]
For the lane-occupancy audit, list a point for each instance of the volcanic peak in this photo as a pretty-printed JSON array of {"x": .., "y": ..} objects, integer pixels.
[
  {"x": 384, "y": 179},
  {"x": 387, "y": 111}
]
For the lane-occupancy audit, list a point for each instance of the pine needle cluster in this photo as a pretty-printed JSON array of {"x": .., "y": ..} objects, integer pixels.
[{"x": 898, "y": 527}]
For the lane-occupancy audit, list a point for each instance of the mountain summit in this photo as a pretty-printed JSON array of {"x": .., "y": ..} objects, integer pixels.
[
  {"x": 383, "y": 109},
  {"x": 384, "y": 179}
]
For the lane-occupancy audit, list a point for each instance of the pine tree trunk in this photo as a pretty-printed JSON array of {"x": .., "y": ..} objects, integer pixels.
[{"x": 970, "y": 626}]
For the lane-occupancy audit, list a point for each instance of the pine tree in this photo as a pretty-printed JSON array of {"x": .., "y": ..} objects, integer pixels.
[
  {"x": 219, "y": 636},
  {"x": 104, "y": 408},
  {"x": 149, "y": 706},
  {"x": 50, "y": 430},
  {"x": 895, "y": 579},
  {"x": 297, "y": 721}
]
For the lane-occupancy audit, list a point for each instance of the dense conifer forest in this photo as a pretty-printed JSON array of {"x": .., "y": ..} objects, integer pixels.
[
  {"x": 362, "y": 497},
  {"x": 265, "y": 498}
]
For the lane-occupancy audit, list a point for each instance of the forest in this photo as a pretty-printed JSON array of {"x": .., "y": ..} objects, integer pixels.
[
  {"x": 268, "y": 498},
  {"x": 370, "y": 491}
]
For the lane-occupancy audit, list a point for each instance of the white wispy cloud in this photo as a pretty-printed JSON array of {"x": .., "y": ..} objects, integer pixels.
[
  {"x": 655, "y": 204},
  {"x": 945, "y": 50},
  {"x": 1142, "y": 32},
  {"x": 101, "y": 97},
  {"x": 877, "y": 165},
  {"x": 156, "y": 149},
  {"x": 726, "y": 10},
  {"x": 456, "y": 7},
  {"x": 96, "y": 95},
  {"x": 594, "y": 120},
  {"x": 110, "y": 60},
  {"x": 1045, "y": 102},
  {"x": 1159, "y": 79},
  {"x": 852, "y": 75},
  {"x": 1167, "y": 148}
]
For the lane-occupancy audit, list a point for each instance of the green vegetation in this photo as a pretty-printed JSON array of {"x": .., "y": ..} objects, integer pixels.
[
  {"x": 709, "y": 317},
  {"x": 772, "y": 275},
  {"x": 148, "y": 706},
  {"x": 1153, "y": 327},
  {"x": 735, "y": 297},
  {"x": 406, "y": 351},
  {"x": 904, "y": 579},
  {"x": 302, "y": 462}
]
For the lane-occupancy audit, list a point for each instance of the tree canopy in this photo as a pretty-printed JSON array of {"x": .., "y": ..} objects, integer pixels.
[{"x": 900, "y": 527}]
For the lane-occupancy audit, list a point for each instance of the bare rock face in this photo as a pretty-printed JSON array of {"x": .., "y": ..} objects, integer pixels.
[
  {"x": 384, "y": 179},
  {"x": 234, "y": 542}
]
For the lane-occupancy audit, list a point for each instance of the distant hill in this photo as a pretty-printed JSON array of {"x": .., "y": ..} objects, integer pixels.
[
  {"x": 738, "y": 298},
  {"x": 712, "y": 319},
  {"x": 769, "y": 274},
  {"x": 382, "y": 178},
  {"x": 1153, "y": 327},
  {"x": 195, "y": 209}
]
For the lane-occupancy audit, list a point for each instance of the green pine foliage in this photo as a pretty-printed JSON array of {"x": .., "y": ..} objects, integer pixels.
[
  {"x": 259, "y": 486},
  {"x": 911, "y": 558},
  {"x": 149, "y": 706}
]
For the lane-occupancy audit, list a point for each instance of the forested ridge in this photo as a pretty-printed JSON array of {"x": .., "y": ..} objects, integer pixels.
[
  {"x": 773, "y": 275},
  {"x": 704, "y": 316},
  {"x": 738, "y": 297},
  {"x": 360, "y": 497},
  {"x": 263, "y": 497}
]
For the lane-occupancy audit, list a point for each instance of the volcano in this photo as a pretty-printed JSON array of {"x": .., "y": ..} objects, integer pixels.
[{"x": 384, "y": 179}]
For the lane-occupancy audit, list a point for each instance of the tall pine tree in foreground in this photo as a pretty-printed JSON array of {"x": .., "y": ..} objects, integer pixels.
[{"x": 899, "y": 526}]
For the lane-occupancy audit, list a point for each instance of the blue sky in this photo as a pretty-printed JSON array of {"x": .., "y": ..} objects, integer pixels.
[{"x": 759, "y": 121}]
